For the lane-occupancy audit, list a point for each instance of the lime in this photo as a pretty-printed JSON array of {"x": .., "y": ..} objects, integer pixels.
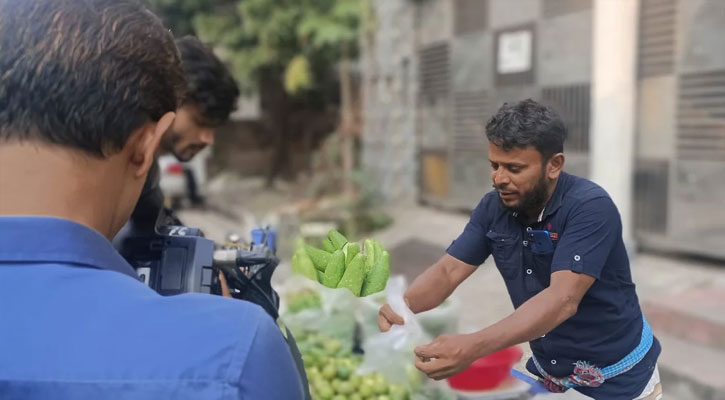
[
  {"x": 345, "y": 387},
  {"x": 344, "y": 372},
  {"x": 329, "y": 372}
]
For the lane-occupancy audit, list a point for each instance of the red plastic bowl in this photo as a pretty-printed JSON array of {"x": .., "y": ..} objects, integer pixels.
[{"x": 487, "y": 372}]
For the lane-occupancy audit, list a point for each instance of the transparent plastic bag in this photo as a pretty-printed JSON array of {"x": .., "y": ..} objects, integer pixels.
[
  {"x": 391, "y": 353},
  {"x": 334, "y": 318},
  {"x": 442, "y": 319},
  {"x": 367, "y": 313}
]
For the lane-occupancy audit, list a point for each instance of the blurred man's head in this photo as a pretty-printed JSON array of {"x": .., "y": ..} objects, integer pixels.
[
  {"x": 87, "y": 89},
  {"x": 526, "y": 144},
  {"x": 211, "y": 96}
]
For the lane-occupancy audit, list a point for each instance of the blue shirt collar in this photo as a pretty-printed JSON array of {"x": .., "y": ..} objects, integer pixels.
[
  {"x": 554, "y": 202},
  {"x": 46, "y": 240}
]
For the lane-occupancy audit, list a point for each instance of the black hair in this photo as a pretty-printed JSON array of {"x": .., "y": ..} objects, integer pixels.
[
  {"x": 211, "y": 86},
  {"x": 527, "y": 123},
  {"x": 84, "y": 74}
]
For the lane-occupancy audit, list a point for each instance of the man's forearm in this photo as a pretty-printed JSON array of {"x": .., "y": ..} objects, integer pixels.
[
  {"x": 430, "y": 288},
  {"x": 536, "y": 317}
]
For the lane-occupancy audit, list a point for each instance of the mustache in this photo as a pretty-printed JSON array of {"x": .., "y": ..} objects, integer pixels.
[{"x": 196, "y": 147}]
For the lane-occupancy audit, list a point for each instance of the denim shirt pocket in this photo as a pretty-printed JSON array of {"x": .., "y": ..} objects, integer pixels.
[
  {"x": 506, "y": 253},
  {"x": 540, "y": 277}
]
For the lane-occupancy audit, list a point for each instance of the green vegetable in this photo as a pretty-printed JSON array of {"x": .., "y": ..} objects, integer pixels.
[
  {"x": 332, "y": 346},
  {"x": 344, "y": 372},
  {"x": 334, "y": 270},
  {"x": 367, "y": 388},
  {"x": 326, "y": 392},
  {"x": 351, "y": 250},
  {"x": 337, "y": 239},
  {"x": 302, "y": 300},
  {"x": 301, "y": 264},
  {"x": 345, "y": 387},
  {"x": 398, "y": 392},
  {"x": 378, "y": 251},
  {"x": 354, "y": 275},
  {"x": 327, "y": 245},
  {"x": 377, "y": 278},
  {"x": 329, "y": 372},
  {"x": 370, "y": 252},
  {"x": 381, "y": 384},
  {"x": 319, "y": 257}
]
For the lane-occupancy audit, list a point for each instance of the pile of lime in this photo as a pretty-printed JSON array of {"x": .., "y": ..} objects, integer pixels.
[
  {"x": 302, "y": 300},
  {"x": 331, "y": 372}
]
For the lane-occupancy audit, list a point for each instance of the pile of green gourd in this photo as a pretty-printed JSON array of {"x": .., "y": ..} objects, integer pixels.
[{"x": 342, "y": 264}]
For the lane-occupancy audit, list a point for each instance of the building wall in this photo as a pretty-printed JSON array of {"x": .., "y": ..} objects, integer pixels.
[
  {"x": 432, "y": 117},
  {"x": 388, "y": 142}
]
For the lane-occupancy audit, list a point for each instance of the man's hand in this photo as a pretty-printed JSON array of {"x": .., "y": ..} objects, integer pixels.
[
  {"x": 446, "y": 356},
  {"x": 224, "y": 285},
  {"x": 387, "y": 318}
]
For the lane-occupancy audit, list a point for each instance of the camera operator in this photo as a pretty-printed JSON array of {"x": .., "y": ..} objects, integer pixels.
[
  {"x": 209, "y": 99},
  {"x": 87, "y": 90}
]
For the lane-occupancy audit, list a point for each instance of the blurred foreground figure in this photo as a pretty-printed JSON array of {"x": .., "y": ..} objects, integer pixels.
[{"x": 87, "y": 90}]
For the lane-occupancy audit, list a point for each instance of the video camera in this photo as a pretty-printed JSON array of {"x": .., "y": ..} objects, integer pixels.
[{"x": 178, "y": 259}]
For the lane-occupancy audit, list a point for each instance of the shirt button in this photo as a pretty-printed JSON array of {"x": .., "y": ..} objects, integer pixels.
[
  {"x": 577, "y": 258},
  {"x": 553, "y": 362},
  {"x": 528, "y": 228},
  {"x": 529, "y": 271},
  {"x": 526, "y": 242}
]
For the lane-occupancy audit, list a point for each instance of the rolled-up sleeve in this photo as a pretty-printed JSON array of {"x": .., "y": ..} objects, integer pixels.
[
  {"x": 472, "y": 246},
  {"x": 589, "y": 237}
]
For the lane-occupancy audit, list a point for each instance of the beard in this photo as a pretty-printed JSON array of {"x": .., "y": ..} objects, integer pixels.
[
  {"x": 531, "y": 201},
  {"x": 188, "y": 152},
  {"x": 170, "y": 144}
]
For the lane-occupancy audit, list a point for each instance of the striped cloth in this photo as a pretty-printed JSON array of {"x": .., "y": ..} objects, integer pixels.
[{"x": 586, "y": 374}]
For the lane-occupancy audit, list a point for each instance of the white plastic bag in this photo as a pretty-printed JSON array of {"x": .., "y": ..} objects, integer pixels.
[
  {"x": 335, "y": 318},
  {"x": 442, "y": 319},
  {"x": 367, "y": 313},
  {"x": 391, "y": 353}
]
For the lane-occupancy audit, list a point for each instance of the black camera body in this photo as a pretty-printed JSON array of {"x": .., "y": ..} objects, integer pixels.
[{"x": 178, "y": 259}]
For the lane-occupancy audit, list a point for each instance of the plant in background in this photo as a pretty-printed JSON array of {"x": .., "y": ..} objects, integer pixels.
[{"x": 296, "y": 53}]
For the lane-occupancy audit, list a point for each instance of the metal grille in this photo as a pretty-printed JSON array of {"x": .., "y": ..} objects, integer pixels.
[
  {"x": 701, "y": 116},
  {"x": 651, "y": 195},
  {"x": 434, "y": 73},
  {"x": 571, "y": 102},
  {"x": 657, "y": 37},
  {"x": 471, "y": 111},
  {"x": 555, "y": 8},
  {"x": 471, "y": 16}
]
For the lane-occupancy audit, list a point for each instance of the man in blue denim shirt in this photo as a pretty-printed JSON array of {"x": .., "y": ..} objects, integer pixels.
[
  {"x": 87, "y": 89},
  {"x": 557, "y": 241}
]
